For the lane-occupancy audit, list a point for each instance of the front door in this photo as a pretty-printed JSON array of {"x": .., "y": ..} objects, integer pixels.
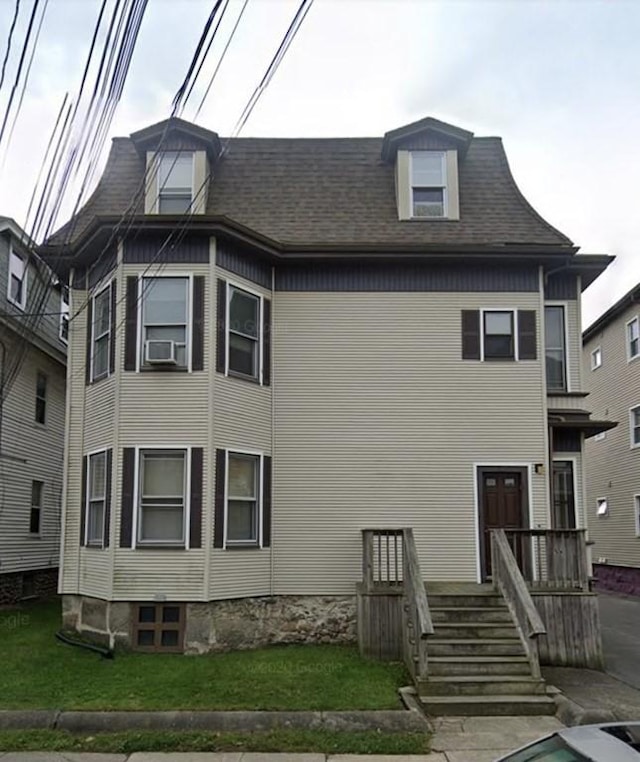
[
  {"x": 502, "y": 506},
  {"x": 564, "y": 500}
]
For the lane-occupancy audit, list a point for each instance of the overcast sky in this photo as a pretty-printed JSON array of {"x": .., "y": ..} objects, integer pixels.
[{"x": 558, "y": 81}]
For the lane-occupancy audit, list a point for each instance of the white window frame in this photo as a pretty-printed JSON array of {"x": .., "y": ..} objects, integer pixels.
[
  {"x": 596, "y": 358},
  {"x": 445, "y": 187},
  {"x": 87, "y": 541},
  {"x": 107, "y": 287},
  {"x": 140, "y": 327},
  {"x": 186, "y": 517},
  {"x": 259, "y": 378},
  {"x": 516, "y": 345},
  {"x": 24, "y": 280},
  {"x": 164, "y": 189},
  {"x": 64, "y": 313},
  {"x": 600, "y": 501},
  {"x": 39, "y": 508},
  {"x": 632, "y": 427},
  {"x": 600, "y": 436},
  {"x": 259, "y": 499},
  {"x": 565, "y": 331},
  {"x": 627, "y": 329},
  {"x": 636, "y": 510}
]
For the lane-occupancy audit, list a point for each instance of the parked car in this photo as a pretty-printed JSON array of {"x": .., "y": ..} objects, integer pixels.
[{"x": 612, "y": 742}]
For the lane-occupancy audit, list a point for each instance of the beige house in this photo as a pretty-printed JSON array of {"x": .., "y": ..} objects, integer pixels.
[
  {"x": 282, "y": 342},
  {"x": 611, "y": 366},
  {"x": 32, "y": 408}
]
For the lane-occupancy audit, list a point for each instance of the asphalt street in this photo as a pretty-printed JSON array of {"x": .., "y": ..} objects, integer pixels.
[{"x": 620, "y": 622}]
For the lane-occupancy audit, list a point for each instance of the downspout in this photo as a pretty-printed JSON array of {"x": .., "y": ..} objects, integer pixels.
[
  {"x": 548, "y": 436},
  {"x": 272, "y": 334}
]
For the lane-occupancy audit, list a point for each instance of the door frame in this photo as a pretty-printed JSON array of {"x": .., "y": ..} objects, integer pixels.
[{"x": 478, "y": 470}]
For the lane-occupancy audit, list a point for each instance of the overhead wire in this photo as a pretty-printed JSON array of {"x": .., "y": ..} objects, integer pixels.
[{"x": 7, "y": 53}]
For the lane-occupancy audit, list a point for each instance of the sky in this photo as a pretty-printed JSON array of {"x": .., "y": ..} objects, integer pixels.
[{"x": 558, "y": 81}]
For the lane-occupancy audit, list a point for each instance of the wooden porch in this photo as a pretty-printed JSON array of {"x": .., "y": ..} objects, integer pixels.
[{"x": 466, "y": 643}]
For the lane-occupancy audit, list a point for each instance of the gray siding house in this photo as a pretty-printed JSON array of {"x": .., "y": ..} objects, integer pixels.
[
  {"x": 611, "y": 362},
  {"x": 283, "y": 344},
  {"x": 33, "y": 348}
]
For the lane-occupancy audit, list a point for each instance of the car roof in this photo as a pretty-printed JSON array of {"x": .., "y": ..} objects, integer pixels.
[{"x": 596, "y": 743}]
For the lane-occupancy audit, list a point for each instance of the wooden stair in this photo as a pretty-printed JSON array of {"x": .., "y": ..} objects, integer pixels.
[{"x": 477, "y": 662}]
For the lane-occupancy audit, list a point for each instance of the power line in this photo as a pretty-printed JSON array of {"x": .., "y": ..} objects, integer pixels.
[{"x": 9, "y": 41}]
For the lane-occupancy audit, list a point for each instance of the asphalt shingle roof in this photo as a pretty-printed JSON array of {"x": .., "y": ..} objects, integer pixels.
[{"x": 335, "y": 191}]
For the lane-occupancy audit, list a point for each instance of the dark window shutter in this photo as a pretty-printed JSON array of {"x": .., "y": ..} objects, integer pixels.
[
  {"x": 527, "y": 349},
  {"x": 126, "y": 508},
  {"x": 221, "y": 327},
  {"x": 87, "y": 374},
  {"x": 83, "y": 501},
  {"x": 266, "y": 342},
  {"x": 107, "y": 499},
  {"x": 470, "y": 334},
  {"x": 195, "y": 522},
  {"x": 266, "y": 502},
  {"x": 218, "y": 513},
  {"x": 131, "y": 324},
  {"x": 112, "y": 333},
  {"x": 197, "y": 351}
]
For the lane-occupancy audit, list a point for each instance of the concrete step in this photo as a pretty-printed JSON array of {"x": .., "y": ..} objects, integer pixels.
[
  {"x": 475, "y": 647},
  {"x": 475, "y": 630},
  {"x": 481, "y": 685},
  {"x": 473, "y": 601},
  {"x": 478, "y": 665},
  {"x": 487, "y": 706},
  {"x": 470, "y": 614}
]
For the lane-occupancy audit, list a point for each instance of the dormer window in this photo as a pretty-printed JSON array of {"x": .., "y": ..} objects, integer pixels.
[
  {"x": 428, "y": 172},
  {"x": 175, "y": 182}
]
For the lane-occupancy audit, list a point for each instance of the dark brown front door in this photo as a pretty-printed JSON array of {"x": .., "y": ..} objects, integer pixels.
[{"x": 502, "y": 506}]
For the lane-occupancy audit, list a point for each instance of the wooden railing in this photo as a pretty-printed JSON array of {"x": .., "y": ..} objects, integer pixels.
[
  {"x": 390, "y": 561},
  {"x": 508, "y": 579},
  {"x": 551, "y": 559}
]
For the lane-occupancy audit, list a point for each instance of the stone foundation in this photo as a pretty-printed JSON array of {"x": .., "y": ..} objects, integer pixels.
[
  {"x": 617, "y": 579},
  {"x": 24, "y": 585},
  {"x": 236, "y": 624}
]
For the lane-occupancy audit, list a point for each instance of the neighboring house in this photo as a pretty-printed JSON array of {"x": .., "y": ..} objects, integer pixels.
[
  {"x": 611, "y": 367},
  {"x": 32, "y": 407},
  {"x": 345, "y": 334}
]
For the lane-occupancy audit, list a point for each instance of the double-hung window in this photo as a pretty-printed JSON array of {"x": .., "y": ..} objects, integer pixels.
[
  {"x": 162, "y": 496},
  {"x": 37, "y": 490},
  {"x": 428, "y": 172},
  {"x": 555, "y": 349},
  {"x": 498, "y": 335},
  {"x": 243, "y": 498},
  {"x": 96, "y": 497},
  {"x": 634, "y": 426},
  {"x": 41, "y": 398},
  {"x": 64, "y": 314},
  {"x": 165, "y": 321},
  {"x": 175, "y": 182},
  {"x": 633, "y": 338},
  {"x": 17, "y": 288},
  {"x": 101, "y": 334},
  {"x": 244, "y": 332}
]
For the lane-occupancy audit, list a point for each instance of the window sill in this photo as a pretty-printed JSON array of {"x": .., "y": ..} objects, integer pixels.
[
  {"x": 566, "y": 394},
  {"x": 95, "y": 545},
  {"x": 160, "y": 546},
  {"x": 163, "y": 369},
  {"x": 17, "y": 305},
  {"x": 97, "y": 379},
  {"x": 243, "y": 546},
  {"x": 242, "y": 377},
  {"x": 633, "y": 359}
]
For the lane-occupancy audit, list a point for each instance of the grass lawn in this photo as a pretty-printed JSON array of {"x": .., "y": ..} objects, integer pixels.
[
  {"x": 323, "y": 741},
  {"x": 38, "y": 672}
]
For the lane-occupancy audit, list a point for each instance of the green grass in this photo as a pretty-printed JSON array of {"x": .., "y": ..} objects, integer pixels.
[
  {"x": 323, "y": 741},
  {"x": 38, "y": 672}
]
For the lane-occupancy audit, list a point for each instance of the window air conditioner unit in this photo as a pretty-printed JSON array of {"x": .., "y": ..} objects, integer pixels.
[{"x": 160, "y": 352}]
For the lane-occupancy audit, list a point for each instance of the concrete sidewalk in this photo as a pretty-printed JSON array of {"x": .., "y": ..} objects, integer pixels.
[{"x": 456, "y": 739}]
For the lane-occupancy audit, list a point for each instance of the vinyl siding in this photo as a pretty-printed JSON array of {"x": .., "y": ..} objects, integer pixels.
[
  {"x": 31, "y": 451},
  {"x": 613, "y": 466},
  {"x": 378, "y": 423}
]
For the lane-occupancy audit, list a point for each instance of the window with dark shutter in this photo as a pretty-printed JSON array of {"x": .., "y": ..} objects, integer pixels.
[
  {"x": 112, "y": 333},
  {"x": 221, "y": 327},
  {"x": 83, "y": 501},
  {"x": 266, "y": 502},
  {"x": 126, "y": 507},
  {"x": 218, "y": 514},
  {"x": 498, "y": 335},
  {"x": 107, "y": 499},
  {"x": 87, "y": 370},
  {"x": 195, "y": 516},
  {"x": 266, "y": 342},
  {"x": 131, "y": 324},
  {"x": 197, "y": 353},
  {"x": 470, "y": 334},
  {"x": 527, "y": 341}
]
